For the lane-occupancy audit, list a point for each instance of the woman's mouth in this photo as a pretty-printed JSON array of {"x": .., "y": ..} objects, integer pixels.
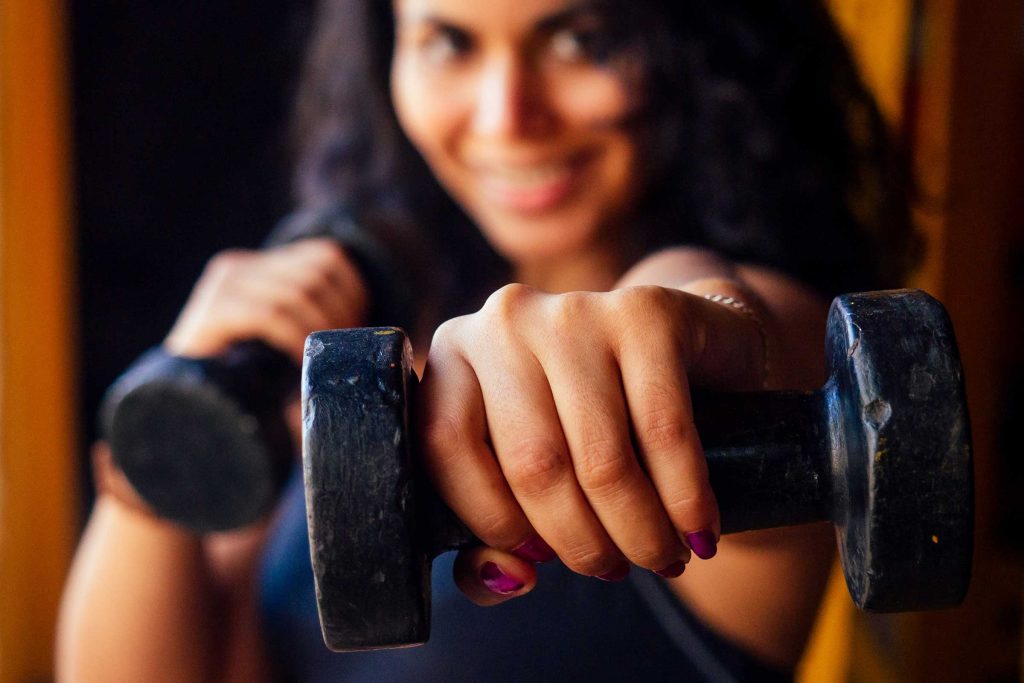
[{"x": 529, "y": 188}]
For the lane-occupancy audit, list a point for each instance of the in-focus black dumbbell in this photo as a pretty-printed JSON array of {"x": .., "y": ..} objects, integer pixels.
[
  {"x": 882, "y": 451},
  {"x": 203, "y": 440}
]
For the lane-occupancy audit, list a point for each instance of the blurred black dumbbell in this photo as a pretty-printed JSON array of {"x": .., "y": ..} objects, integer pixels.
[{"x": 203, "y": 440}]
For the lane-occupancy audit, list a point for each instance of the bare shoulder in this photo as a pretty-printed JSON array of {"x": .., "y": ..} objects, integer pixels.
[
  {"x": 788, "y": 298},
  {"x": 677, "y": 265}
]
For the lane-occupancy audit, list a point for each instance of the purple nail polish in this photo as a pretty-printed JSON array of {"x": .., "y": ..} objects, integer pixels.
[
  {"x": 534, "y": 550},
  {"x": 498, "y": 581},
  {"x": 702, "y": 543},
  {"x": 672, "y": 571},
  {"x": 618, "y": 574}
]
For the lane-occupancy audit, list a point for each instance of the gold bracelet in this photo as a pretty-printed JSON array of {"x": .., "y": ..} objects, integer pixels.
[{"x": 746, "y": 310}]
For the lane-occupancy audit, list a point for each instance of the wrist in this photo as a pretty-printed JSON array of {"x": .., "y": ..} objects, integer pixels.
[
  {"x": 752, "y": 315},
  {"x": 111, "y": 484},
  {"x": 748, "y": 326}
]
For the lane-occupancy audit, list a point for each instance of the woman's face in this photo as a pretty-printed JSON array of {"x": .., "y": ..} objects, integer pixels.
[{"x": 521, "y": 112}]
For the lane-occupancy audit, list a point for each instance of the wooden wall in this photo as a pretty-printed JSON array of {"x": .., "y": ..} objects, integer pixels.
[
  {"x": 949, "y": 74},
  {"x": 37, "y": 491},
  {"x": 954, "y": 90}
]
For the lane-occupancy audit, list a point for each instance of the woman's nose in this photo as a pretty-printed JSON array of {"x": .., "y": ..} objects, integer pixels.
[{"x": 511, "y": 101}]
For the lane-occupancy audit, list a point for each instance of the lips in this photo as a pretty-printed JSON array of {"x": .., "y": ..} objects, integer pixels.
[{"x": 529, "y": 188}]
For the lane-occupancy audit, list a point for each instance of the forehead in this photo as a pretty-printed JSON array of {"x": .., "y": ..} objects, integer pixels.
[{"x": 510, "y": 15}]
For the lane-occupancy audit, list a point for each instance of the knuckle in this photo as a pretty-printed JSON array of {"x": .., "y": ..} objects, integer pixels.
[
  {"x": 333, "y": 258},
  {"x": 322, "y": 277},
  {"x": 506, "y": 302},
  {"x": 661, "y": 428},
  {"x": 277, "y": 309},
  {"x": 497, "y": 529},
  {"x": 694, "y": 503},
  {"x": 571, "y": 309},
  {"x": 443, "y": 331},
  {"x": 227, "y": 261},
  {"x": 653, "y": 556},
  {"x": 535, "y": 467},
  {"x": 332, "y": 251},
  {"x": 604, "y": 467},
  {"x": 646, "y": 303},
  {"x": 585, "y": 559},
  {"x": 315, "y": 284},
  {"x": 442, "y": 436},
  {"x": 445, "y": 334},
  {"x": 634, "y": 297}
]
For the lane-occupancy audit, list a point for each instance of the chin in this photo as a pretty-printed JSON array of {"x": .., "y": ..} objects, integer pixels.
[{"x": 530, "y": 239}]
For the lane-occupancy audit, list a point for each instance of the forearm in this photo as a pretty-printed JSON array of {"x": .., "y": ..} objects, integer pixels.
[
  {"x": 142, "y": 603},
  {"x": 763, "y": 587}
]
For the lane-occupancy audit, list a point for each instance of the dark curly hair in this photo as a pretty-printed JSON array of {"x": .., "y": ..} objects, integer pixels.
[{"x": 763, "y": 145}]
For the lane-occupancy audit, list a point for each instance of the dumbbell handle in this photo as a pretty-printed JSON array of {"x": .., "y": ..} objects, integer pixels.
[
  {"x": 768, "y": 461},
  {"x": 767, "y": 457}
]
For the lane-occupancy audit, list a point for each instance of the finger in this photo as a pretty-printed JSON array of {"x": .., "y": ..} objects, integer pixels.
[
  {"x": 285, "y": 297},
  {"x": 528, "y": 440},
  {"x": 271, "y": 322},
  {"x": 457, "y": 457},
  {"x": 587, "y": 389},
  {"x": 658, "y": 398},
  {"x": 491, "y": 577},
  {"x": 313, "y": 277},
  {"x": 322, "y": 270}
]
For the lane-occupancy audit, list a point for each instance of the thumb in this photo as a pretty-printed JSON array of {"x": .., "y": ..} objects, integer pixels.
[{"x": 490, "y": 577}]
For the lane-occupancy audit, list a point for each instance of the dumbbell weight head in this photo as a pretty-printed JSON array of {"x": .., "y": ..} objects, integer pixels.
[
  {"x": 367, "y": 520},
  {"x": 901, "y": 465},
  {"x": 882, "y": 450},
  {"x": 203, "y": 440}
]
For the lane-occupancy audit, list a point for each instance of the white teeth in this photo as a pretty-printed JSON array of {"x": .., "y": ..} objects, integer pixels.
[{"x": 529, "y": 177}]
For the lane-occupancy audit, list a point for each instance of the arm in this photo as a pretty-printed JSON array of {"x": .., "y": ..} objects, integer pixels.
[
  {"x": 147, "y": 600},
  {"x": 567, "y": 417},
  {"x": 763, "y": 588}
]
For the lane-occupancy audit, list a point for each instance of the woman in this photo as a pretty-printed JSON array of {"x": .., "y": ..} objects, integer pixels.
[{"x": 607, "y": 203}]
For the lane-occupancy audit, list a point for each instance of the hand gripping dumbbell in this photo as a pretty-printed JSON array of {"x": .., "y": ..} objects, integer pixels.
[
  {"x": 882, "y": 451},
  {"x": 203, "y": 440}
]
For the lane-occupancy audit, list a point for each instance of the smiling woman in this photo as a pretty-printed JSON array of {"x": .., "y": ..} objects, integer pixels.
[
  {"x": 525, "y": 118},
  {"x": 573, "y": 188}
]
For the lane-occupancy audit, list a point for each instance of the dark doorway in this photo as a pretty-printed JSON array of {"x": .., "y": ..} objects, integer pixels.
[{"x": 181, "y": 149}]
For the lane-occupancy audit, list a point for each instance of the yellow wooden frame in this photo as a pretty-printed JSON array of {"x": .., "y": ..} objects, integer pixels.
[{"x": 37, "y": 433}]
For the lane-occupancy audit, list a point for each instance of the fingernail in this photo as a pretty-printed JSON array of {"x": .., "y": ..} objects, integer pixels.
[
  {"x": 498, "y": 581},
  {"x": 535, "y": 550},
  {"x": 702, "y": 543},
  {"x": 618, "y": 574},
  {"x": 672, "y": 571}
]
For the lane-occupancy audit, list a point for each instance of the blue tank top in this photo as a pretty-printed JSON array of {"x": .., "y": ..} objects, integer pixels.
[{"x": 568, "y": 628}]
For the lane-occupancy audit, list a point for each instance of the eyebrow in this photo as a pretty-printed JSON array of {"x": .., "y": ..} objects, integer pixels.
[
  {"x": 546, "y": 24},
  {"x": 569, "y": 15}
]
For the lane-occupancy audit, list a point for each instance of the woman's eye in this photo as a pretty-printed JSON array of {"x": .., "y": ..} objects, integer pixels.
[
  {"x": 444, "y": 46},
  {"x": 572, "y": 45}
]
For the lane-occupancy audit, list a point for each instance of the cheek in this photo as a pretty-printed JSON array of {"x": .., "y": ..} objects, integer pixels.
[
  {"x": 596, "y": 100},
  {"x": 426, "y": 115},
  {"x": 619, "y": 184}
]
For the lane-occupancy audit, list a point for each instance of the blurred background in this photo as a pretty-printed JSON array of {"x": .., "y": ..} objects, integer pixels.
[{"x": 136, "y": 139}]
